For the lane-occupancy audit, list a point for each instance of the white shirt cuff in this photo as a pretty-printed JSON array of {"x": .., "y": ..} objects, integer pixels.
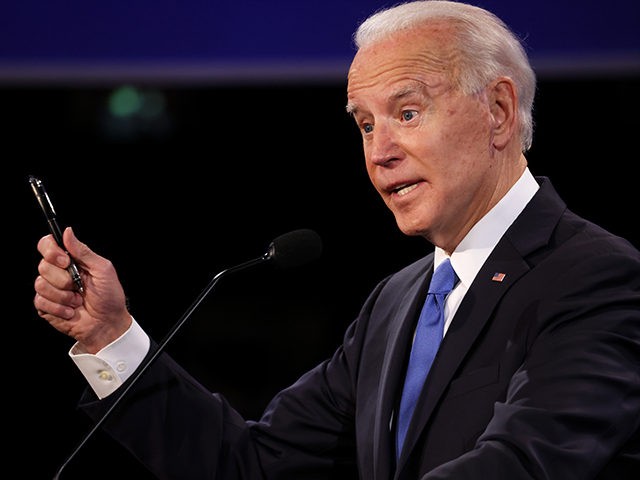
[{"x": 113, "y": 365}]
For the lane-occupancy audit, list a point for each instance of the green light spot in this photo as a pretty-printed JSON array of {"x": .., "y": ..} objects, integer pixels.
[{"x": 125, "y": 102}]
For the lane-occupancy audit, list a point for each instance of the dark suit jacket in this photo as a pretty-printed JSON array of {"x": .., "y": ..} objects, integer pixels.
[{"x": 537, "y": 377}]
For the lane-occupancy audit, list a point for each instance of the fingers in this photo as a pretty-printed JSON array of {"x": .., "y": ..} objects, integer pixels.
[
  {"x": 58, "y": 307},
  {"x": 55, "y": 301},
  {"x": 56, "y": 273},
  {"x": 62, "y": 318},
  {"x": 52, "y": 252},
  {"x": 46, "y": 308}
]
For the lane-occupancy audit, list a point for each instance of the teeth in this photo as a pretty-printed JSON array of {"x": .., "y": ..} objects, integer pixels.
[{"x": 407, "y": 189}]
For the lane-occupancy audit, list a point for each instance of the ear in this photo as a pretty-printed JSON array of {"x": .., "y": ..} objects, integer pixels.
[{"x": 503, "y": 104}]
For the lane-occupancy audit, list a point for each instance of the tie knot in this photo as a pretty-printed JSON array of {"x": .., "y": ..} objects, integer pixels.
[{"x": 444, "y": 279}]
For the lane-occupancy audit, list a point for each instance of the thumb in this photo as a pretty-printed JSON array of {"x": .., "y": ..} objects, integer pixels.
[{"x": 78, "y": 250}]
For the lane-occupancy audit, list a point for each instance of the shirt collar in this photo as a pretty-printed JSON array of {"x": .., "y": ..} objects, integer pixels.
[{"x": 477, "y": 245}]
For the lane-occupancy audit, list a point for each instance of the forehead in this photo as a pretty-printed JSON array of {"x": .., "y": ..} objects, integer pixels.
[{"x": 423, "y": 55}]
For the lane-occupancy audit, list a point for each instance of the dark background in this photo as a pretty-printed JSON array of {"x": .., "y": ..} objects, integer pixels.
[
  {"x": 239, "y": 167},
  {"x": 213, "y": 165}
]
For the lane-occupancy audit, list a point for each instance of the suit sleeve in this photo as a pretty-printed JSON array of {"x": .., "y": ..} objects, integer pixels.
[{"x": 180, "y": 430}]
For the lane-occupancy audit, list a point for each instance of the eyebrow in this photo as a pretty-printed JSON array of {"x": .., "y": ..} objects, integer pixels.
[
  {"x": 351, "y": 108},
  {"x": 405, "y": 91}
]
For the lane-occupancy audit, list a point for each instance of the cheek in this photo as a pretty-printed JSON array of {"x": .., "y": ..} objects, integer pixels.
[
  {"x": 368, "y": 164},
  {"x": 465, "y": 139}
]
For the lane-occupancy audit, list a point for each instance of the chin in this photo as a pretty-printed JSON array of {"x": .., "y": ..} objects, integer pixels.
[{"x": 411, "y": 230}]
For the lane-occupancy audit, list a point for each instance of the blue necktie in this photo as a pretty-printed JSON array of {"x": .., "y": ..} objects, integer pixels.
[{"x": 428, "y": 336}]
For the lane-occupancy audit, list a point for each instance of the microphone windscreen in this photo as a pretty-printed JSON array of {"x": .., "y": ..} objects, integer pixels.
[{"x": 295, "y": 248}]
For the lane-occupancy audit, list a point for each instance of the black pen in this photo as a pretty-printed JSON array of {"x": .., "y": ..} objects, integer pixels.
[{"x": 50, "y": 215}]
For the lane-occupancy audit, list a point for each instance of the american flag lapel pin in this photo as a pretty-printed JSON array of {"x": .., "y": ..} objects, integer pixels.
[{"x": 498, "y": 276}]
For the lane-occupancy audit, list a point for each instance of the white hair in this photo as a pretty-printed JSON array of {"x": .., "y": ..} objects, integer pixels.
[{"x": 487, "y": 47}]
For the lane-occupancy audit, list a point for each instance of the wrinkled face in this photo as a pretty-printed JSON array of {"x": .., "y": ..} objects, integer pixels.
[{"x": 427, "y": 146}]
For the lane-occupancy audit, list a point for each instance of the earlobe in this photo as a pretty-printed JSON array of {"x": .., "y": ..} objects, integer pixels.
[{"x": 503, "y": 103}]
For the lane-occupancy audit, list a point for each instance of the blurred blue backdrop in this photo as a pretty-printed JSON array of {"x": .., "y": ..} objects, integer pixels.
[{"x": 253, "y": 40}]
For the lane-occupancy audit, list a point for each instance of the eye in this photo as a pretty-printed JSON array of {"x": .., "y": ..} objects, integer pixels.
[
  {"x": 408, "y": 115},
  {"x": 367, "y": 128}
]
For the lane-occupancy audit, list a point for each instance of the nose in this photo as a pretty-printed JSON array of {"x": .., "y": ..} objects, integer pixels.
[{"x": 383, "y": 148}]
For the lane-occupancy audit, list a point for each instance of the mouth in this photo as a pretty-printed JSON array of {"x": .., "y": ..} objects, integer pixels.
[{"x": 404, "y": 189}]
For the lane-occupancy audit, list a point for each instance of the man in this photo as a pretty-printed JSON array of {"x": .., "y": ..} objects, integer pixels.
[{"x": 538, "y": 373}]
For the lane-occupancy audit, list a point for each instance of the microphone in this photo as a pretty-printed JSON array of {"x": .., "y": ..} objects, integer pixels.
[
  {"x": 292, "y": 249},
  {"x": 295, "y": 248}
]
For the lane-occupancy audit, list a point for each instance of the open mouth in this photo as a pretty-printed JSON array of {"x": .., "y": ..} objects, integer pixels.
[{"x": 404, "y": 189}]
